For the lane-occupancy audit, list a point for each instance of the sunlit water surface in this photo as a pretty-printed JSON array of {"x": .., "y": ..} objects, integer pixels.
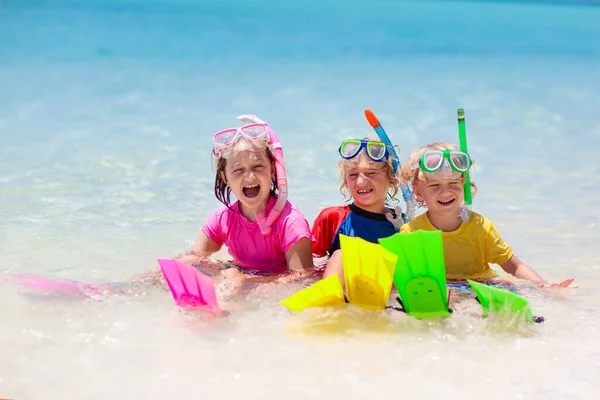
[{"x": 106, "y": 116}]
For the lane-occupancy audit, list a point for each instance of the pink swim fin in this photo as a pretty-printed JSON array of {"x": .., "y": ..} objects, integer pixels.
[
  {"x": 45, "y": 284},
  {"x": 190, "y": 288}
]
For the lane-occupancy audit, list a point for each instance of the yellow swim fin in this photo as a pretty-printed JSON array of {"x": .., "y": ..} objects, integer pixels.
[
  {"x": 327, "y": 292},
  {"x": 368, "y": 272}
]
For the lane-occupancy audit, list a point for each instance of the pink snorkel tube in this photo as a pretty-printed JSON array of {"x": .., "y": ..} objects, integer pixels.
[{"x": 265, "y": 222}]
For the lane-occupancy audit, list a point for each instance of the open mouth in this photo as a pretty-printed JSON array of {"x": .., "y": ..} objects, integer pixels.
[
  {"x": 251, "y": 191},
  {"x": 446, "y": 202},
  {"x": 364, "y": 191}
]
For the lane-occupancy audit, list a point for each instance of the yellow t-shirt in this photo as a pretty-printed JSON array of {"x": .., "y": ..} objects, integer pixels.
[{"x": 469, "y": 249}]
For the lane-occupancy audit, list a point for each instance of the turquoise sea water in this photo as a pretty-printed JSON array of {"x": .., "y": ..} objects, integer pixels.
[{"x": 106, "y": 116}]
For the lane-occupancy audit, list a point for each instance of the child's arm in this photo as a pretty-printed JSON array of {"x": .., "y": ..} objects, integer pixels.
[
  {"x": 299, "y": 261},
  {"x": 499, "y": 250},
  {"x": 299, "y": 256},
  {"x": 325, "y": 228},
  {"x": 204, "y": 246},
  {"x": 519, "y": 269},
  {"x": 197, "y": 257}
]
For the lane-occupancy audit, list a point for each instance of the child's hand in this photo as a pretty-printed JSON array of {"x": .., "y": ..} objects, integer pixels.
[
  {"x": 398, "y": 221},
  {"x": 232, "y": 274},
  {"x": 562, "y": 284},
  {"x": 233, "y": 281}
]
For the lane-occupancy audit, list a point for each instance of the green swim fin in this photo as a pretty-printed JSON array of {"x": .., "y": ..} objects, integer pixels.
[
  {"x": 368, "y": 272},
  {"x": 495, "y": 300},
  {"x": 420, "y": 275}
]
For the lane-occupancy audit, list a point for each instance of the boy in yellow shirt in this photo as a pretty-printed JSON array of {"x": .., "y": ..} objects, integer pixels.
[{"x": 437, "y": 175}]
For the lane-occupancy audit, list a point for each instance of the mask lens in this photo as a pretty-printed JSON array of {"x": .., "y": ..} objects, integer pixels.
[
  {"x": 226, "y": 136},
  {"x": 376, "y": 150},
  {"x": 460, "y": 160},
  {"x": 254, "y": 131},
  {"x": 350, "y": 148},
  {"x": 432, "y": 160}
]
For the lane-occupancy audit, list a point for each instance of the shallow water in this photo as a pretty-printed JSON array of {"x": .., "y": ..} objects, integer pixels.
[{"x": 106, "y": 115}]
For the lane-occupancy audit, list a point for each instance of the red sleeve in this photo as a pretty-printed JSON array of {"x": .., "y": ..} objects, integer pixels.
[{"x": 324, "y": 228}]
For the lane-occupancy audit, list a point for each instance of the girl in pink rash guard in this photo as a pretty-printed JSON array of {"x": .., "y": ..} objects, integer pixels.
[{"x": 263, "y": 232}]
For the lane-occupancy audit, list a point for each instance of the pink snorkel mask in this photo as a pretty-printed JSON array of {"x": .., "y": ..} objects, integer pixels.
[{"x": 257, "y": 133}]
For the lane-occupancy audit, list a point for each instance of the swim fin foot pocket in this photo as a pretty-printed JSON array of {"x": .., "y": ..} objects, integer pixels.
[{"x": 402, "y": 309}]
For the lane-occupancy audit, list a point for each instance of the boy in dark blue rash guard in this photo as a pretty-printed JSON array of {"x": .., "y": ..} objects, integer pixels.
[{"x": 367, "y": 174}]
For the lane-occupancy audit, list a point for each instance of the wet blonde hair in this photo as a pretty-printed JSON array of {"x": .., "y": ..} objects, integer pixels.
[
  {"x": 411, "y": 173},
  {"x": 387, "y": 168}
]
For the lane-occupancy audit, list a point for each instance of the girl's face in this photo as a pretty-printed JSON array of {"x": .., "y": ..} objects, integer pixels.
[
  {"x": 248, "y": 173},
  {"x": 443, "y": 196},
  {"x": 368, "y": 183}
]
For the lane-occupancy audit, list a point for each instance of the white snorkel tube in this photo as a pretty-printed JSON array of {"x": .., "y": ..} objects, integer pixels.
[{"x": 265, "y": 222}]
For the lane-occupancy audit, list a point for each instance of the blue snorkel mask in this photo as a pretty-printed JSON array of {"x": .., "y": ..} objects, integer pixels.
[{"x": 377, "y": 151}]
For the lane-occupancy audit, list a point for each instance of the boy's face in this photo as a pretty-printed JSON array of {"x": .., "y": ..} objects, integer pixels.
[
  {"x": 443, "y": 196},
  {"x": 367, "y": 183}
]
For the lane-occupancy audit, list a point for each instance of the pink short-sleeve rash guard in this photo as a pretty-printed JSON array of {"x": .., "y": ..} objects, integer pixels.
[{"x": 246, "y": 244}]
